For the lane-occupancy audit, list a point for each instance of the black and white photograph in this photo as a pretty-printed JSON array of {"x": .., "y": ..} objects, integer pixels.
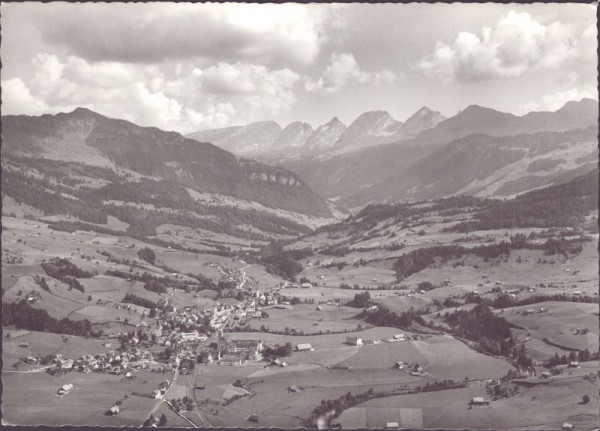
[{"x": 300, "y": 215}]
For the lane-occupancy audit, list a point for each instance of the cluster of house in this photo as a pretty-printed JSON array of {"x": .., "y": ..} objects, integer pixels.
[{"x": 111, "y": 362}]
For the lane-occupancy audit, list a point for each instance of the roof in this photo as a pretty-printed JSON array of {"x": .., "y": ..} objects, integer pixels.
[
  {"x": 304, "y": 346},
  {"x": 478, "y": 399}
]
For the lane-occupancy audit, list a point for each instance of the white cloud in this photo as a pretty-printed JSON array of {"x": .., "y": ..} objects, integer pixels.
[
  {"x": 555, "y": 101},
  {"x": 18, "y": 100},
  {"x": 517, "y": 45},
  {"x": 179, "y": 96},
  {"x": 344, "y": 70},
  {"x": 271, "y": 34}
]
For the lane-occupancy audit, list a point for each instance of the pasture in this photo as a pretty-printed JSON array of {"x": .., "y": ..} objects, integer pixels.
[
  {"x": 558, "y": 323},
  {"x": 92, "y": 395},
  {"x": 306, "y": 318}
]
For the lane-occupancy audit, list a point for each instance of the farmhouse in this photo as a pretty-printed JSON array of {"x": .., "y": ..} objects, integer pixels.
[
  {"x": 303, "y": 347},
  {"x": 573, "y": 364},
  {"x": 306, "y": 285},
  {"x": 65, "y": 389},
  {"x": 479, "y": 401},
  {"x": 354, "y": 341}
]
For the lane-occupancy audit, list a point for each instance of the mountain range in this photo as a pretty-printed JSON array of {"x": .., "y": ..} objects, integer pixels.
[
  {"x": 266, "y": 140},
  {"x": 376, "y": 159},
  {"x": 390, "y": 172}
]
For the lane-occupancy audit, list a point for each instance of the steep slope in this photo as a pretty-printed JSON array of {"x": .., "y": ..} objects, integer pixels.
[
  {"x": 370, "y": 128},
  {"x": 242, "y": 140},
  {"x": 341, "y": 175},
  {"x": 483, "y": 165},
  {"x": 325, "y": 137},
  {"x": 423, "y": 119},
  {"x": 150, "y": 152},
  {"x": 293, "y": 137}
]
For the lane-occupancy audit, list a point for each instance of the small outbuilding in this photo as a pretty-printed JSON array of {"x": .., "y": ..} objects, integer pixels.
[
  {"x": 303, "y": 347},
  {"x": 479, "y": 401}
]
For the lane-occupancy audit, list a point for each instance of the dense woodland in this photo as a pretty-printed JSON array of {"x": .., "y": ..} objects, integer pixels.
[
  {"x": 417, "y": 260},
  {"x": 561, "y": 205},
  {"x": 131, "y": 298},
  {"x": 23, "y": 316},
  {"x": 67, "y": 272},
  {"x": 53, "y": 192},
  {"x": 479, "y": 324}
]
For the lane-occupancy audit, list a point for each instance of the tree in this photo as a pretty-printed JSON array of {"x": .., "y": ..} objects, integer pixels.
[
  {"x": 163, "y": 420},
  {"x": 89, "y": 297},
  {"x": 147, "y": 254},
  {"x": 586, "y": 399}
]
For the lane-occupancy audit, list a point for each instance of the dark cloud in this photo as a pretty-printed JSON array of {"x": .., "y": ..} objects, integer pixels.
[{"x": 150, "y": 33}]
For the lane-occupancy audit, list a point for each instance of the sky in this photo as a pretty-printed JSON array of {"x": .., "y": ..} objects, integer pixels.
[{"x": 189, "y": 67}]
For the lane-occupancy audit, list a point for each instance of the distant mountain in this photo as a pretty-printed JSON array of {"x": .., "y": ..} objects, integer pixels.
[
  {"x": 242, "y": 140},
  {"x": 325, "y": 137},
  {"x": 420, "y": 121},
  {"x": 357, "y": 177},
  {"x": 484, "y": 165},
  {"x": 85, "y": 137},
  {"x": 479, "y": 120},
  {"x": 370, "y": 128},
  {"x": 293, "y": 137}
]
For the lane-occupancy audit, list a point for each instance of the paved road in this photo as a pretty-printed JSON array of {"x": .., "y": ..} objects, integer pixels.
[
  {"x": 191, "y": 388},
  {"x": 160, "y": 401},
  {"x": 243, "y": 276},
  {"x": 28, "y": 371}
]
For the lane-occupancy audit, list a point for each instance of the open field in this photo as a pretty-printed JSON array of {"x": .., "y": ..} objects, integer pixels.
[
  {"x": 442, "y": 357},
  {"x": 306, "y": 318},
  {"x": 541, "y": 407},
  {"x": 92, "y": 395},
  {"x": 557, "y": 324}
]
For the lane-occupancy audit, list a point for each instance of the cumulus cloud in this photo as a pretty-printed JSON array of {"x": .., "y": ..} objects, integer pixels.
[
  {"x": 271, "y": 34},
  {"x": 343, "y": 71},
  {"x": 555, "y": 101},
  {"x": 518, "y": 44},
  {"x": 18, "y": 100},
  {"x": 180, "y": 96}
]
